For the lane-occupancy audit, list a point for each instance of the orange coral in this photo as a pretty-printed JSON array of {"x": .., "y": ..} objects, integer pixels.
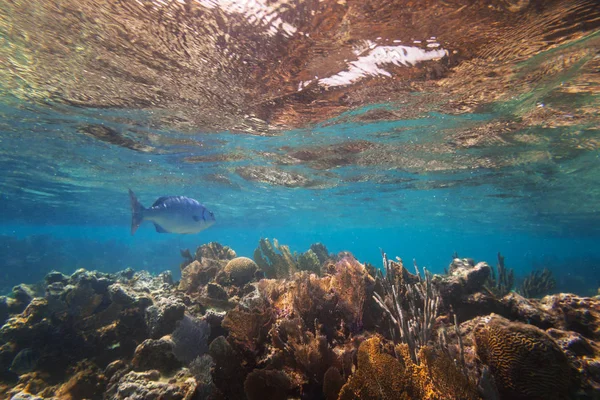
[{"x": 526, "y": 363}]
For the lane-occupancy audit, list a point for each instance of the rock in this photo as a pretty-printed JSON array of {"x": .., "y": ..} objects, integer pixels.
[
  {"x": 574, "y": 313},
  {"x": 5, "y": 308},
  {"x": 145, "y": 386},
  {"x": 81, "y": 299},
  {"x": 86, "y": 382},
  {"x": 462, "y": 280},
  {"x": 155, "y": 354},
  {"x": 28, "y": 325},
  {"x": 125, "y": 275},
  {"x": 216, "y": 291},
  {"x": 22, "y": 395},
  {"x": 215, "y": 321},
  {"x": 162, "y": 317},
  {"x": 195, "y": 275},
  {"x": 55, "y": 290},
  {"x": 114, "y": 367},
  {"x": 54, "y": 277},
  {"x": 240, "y": 271},
  {"x": 98, "y": 281},
  {"x": 214, "y": 251},
  {"x": 516, "y": 307},
  {"x": 23, "y": 294},
  {"x": 118, "y": 294},
  {"x": 143, "y": 281}
]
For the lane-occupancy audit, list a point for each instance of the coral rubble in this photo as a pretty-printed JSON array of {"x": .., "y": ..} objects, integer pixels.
[{"x": 308, "y": 326}]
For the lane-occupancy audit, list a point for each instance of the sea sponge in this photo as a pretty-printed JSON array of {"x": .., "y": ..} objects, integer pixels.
[
  {"x": 526, "y": 363},
  {"x": 240, "y": 270}
]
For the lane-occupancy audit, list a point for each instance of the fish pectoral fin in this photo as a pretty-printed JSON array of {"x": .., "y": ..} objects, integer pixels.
[
  {"x": 160, "y": 229},
  {"x": 197, "y": 218}
]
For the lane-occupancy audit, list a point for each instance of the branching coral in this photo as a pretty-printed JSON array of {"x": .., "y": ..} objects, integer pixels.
[
  {"x": 501, "y": 284},
  {"x": 526, "y": 363},
  {"x": 537, "y": 284},
  {"x": 414, "y": 321}
]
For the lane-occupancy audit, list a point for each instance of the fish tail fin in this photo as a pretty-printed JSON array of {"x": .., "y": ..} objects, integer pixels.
[{"x": 137, "y": 212}]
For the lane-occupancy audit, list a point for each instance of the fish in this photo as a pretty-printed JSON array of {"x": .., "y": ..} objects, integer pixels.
[
  {"x": 25, "y": 361},
  {"x": 171, "y": 214}
]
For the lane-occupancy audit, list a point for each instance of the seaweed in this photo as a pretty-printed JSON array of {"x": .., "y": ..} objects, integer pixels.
[
  {"x": 537, "y": 284},
  {"x": 502, "y": 281}
]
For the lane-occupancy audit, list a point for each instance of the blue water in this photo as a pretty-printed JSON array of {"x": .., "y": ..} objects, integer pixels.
[{"x": 69, "y": 191}]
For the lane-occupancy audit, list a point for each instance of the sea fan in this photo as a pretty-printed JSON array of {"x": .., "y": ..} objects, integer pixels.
[{"x": 190, "y": 338}]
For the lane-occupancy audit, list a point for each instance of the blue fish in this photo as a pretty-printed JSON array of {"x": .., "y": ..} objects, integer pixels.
[{"x": 171, "y": 214}]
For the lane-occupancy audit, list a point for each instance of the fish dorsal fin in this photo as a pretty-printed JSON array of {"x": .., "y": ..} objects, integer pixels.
[
  {"x": 161, "y": 201},
  {"x": 160, "y": 229}
]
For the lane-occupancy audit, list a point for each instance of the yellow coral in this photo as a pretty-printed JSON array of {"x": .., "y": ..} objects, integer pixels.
[
  {"x": 379, "y": 375},
  {"x": 526, "y": 363},
  {"x": 382, "y": 376}
]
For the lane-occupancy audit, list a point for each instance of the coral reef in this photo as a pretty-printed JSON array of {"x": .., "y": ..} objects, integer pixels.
[{"x": 327, "y": 326}]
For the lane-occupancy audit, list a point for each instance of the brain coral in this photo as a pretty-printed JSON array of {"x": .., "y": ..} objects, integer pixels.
[
  {"x": 240, "y": 270},
  {"x": 526, "y": 363}
]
